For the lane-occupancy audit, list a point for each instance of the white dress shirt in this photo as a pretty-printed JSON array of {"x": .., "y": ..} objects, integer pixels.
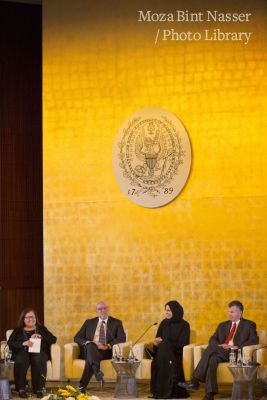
[{"x": 97, "y": 331}]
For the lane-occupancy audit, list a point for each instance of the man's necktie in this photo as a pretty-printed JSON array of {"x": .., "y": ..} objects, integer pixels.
[
  {"x": 231, "y": 333},
  {"x": 102, "y": 335}
]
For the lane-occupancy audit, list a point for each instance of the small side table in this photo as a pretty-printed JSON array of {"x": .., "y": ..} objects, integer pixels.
[
  {"x": 263, "y": 385},
  {"x": 262, "y": 380},
  {"x": 5, "y": 367},
  {"x": 244, "y": 380},
  {"x": 126, "y": 387}
]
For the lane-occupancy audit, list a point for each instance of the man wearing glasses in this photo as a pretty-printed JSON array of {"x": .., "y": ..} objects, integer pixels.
[{"x": 96, "y": 338}]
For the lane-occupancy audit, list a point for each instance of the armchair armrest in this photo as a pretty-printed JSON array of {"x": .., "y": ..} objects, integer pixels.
[
  {"x": 250, "y": 351},
  {"x": 188, "y": 361},
  {"x": 139, "y": 351},
  {"x": 55, "y": 361},
  {"x": 71, "y": 352},
  {"x": 261, "y": 355}
]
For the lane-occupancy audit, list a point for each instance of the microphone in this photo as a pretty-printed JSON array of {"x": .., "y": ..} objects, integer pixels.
[
  {"x": 143, "y": 334},
  {"x": 140, "y": 337}
]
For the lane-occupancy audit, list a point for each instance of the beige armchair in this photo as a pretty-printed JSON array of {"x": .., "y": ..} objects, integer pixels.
[
  {"x": 53, "y": 365},
  {"x": 144, "y": 371},
  {"x": 261, "y": 358},
  {"x": 223, "y": 373},
  {"x": 74, "y": 366}
]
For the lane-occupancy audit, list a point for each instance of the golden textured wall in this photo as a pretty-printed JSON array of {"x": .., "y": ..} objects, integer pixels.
[{"x": 206, "y": 247}]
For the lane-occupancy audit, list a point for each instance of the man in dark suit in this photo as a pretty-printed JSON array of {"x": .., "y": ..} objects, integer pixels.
[
  {"x": 96, "y": 338},
  {"x": 235, "y": 333}
]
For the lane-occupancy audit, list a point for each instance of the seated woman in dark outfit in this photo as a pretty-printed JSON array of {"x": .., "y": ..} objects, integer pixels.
[
  {"x": 167, "y": 366},
  {"x": 20, "y": 342}
]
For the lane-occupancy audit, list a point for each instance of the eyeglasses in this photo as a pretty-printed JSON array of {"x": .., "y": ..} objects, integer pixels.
[
  {"x": 102, "y": 308},
  {"x": 29, "y": 317}
]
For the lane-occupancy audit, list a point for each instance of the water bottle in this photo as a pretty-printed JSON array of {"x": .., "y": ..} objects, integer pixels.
[
  {"x": 239, "y": 358},
  {"x": 232, "y": 358},
  {"x": 8, "y": 354},
  {"x": 114, "y": 356},
  {"x": 120, "y": 355},
  {"x": 131, "y": 354}
]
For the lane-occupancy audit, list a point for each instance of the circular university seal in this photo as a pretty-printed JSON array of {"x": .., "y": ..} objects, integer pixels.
[{"x": 152, "y": 157}]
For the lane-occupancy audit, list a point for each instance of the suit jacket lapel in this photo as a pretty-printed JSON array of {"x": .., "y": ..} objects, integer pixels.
[
  {"x": 227, "y": 330},
  {"x": 93, "y": 328},
  {"x": 109, "y": 333}
]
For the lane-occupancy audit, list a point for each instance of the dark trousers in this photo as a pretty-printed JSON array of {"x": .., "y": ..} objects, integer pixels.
[
  {"x": 37, "y": 361},
  {"x": 93, "y": 356},
  {"x": 206, "y": 370}
]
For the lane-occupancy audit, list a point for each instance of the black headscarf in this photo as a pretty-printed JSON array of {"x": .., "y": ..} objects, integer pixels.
[{"x": 176, "y": 309}]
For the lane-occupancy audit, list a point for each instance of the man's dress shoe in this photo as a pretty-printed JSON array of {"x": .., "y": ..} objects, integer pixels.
[
  {"x": 99, "y": 375},
  {"x": 23, "y": 394},
  {"x": 81, "y": 389},
  {"x": 191, "y": 385}
]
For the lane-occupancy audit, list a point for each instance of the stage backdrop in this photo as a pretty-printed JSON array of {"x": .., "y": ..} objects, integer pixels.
[{"x": 208, "y": 246}]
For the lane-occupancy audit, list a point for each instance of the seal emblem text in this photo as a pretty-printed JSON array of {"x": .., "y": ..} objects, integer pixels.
[{"x": 152, "y": 157}]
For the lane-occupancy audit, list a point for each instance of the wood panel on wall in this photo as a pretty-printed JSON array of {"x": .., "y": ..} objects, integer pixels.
[{"x": 21, "y": 208}]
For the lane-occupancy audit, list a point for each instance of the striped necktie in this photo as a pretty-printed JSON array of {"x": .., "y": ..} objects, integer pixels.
[{"x": 102, "y": 335}]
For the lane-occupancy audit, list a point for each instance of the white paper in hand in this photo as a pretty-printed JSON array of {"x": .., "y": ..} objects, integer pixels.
[{"x": 36, "y": 345}]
